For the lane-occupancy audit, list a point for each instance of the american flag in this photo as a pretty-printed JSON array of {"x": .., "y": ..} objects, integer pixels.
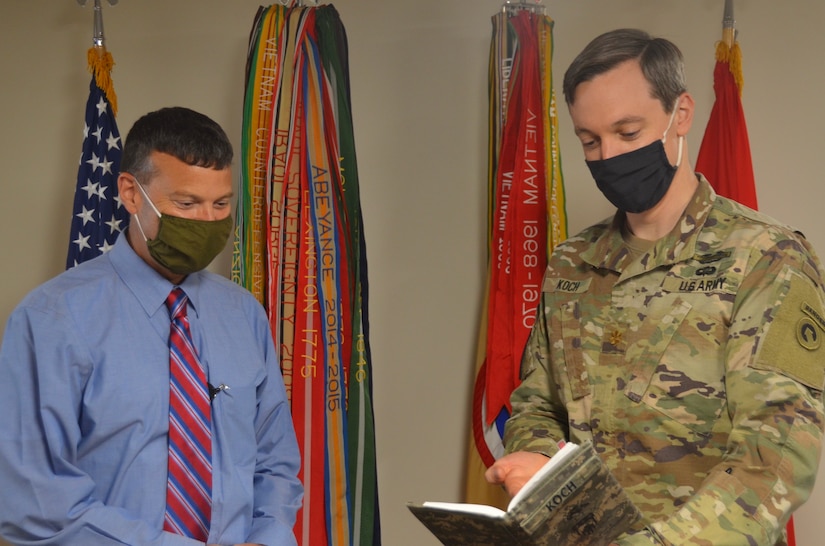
[{"x": 98, "y": 215}]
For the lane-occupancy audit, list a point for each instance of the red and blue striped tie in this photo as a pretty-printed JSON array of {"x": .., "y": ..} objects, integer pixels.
[{"x": 189, "y": 487}]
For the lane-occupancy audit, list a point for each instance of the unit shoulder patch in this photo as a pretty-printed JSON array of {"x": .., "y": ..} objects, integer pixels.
[{"x": 794, "y": 341}]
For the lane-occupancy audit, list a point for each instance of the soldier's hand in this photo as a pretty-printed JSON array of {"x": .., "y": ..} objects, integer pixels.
[{"x": 512, "y": 471}]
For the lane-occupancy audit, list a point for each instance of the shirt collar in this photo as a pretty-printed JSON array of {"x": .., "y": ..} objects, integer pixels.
[{"x": 149, "y": 287}]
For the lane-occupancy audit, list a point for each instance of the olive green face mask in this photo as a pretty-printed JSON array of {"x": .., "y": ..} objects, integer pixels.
[{"x": 185, "y": 245}]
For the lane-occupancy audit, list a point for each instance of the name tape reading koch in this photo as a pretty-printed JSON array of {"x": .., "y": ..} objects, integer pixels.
[
  {"x": 565, "y": 285},
  {"x": 559, "y": 498}
]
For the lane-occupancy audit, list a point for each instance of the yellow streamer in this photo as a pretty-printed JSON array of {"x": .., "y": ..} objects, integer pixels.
[{"x": 556, "y": 210}]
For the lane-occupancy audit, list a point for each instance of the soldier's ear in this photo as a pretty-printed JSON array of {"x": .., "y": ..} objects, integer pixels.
[{"x": 684, "y": 115}]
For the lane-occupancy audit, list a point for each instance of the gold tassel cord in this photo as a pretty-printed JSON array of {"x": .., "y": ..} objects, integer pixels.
[
  {"x": 736, "y": 66},
  {"x": 733, "y": 56},
  {"x": 100, "y": 64}
]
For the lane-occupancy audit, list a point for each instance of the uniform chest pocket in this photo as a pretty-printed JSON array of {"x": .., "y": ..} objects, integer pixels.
[{"x": 677, "y": 367}]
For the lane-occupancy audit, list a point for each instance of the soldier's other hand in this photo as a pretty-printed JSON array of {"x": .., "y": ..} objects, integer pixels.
[{"x": 512, "y": 471}]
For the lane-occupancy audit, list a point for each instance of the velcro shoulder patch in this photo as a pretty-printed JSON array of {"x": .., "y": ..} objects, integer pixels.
[{"x": 795, "y": 342}]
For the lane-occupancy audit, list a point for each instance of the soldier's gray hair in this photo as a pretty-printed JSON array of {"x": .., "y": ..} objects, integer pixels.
[{"x": 661, "y": 61}]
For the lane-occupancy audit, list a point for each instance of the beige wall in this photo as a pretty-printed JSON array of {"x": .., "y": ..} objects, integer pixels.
[{"x": 419, "y": 98}]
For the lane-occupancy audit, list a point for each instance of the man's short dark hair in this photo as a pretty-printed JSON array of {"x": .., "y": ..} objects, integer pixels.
[
  {"x": 180, "y": 132},
  {"x": 660, "y": 60}
]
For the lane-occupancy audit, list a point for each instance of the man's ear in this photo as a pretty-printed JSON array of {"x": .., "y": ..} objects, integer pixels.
[
  {"x": 128, "y": 192},
  {"x": 684, "y": 116}
]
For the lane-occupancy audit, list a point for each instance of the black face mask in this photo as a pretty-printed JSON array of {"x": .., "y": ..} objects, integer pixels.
[{"x": 635, "y": 181}]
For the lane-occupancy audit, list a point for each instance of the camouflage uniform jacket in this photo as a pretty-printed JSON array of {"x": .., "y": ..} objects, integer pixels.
[{"x": 696, "y": 368}]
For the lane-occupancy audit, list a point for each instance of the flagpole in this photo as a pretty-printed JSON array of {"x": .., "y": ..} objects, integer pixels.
[
  {"x": 728, "y": 23},
  {"x": 97, "y": 37}
]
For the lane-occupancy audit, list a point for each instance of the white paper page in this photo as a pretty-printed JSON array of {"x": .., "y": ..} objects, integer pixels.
[
  {"x": 559, "y": 458},
  {"x": 469, "y": 508}
]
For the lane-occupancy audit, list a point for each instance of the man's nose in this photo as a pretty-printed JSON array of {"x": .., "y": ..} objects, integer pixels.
[
  {"x": 608, "y": 149},
  {"x": 207, "y": 213}
]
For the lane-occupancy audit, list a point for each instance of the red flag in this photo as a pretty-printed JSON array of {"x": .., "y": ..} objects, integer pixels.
[
  {"x": 725, "y": 154},
  {"x": 519, "y": 239}
]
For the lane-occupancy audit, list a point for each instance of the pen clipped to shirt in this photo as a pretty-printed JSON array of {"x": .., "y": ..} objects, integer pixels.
[{"x": 213, "y": 391}]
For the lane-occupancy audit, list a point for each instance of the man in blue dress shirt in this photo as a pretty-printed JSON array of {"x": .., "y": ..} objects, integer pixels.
[{"x": 85, "y": 368}]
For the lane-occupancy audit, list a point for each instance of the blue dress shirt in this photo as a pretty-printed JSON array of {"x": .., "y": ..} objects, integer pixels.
[{"x": 84, "y": 397}]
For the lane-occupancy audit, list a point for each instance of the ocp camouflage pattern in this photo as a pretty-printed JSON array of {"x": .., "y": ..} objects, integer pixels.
[{"x": 696, "y": 367}]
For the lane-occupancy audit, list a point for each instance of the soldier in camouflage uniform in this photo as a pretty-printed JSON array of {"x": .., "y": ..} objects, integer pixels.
[{"x": 684, "y": 336}]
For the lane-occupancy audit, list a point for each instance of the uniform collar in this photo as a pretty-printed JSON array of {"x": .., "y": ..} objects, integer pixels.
[{"x": 609, "y": 251}]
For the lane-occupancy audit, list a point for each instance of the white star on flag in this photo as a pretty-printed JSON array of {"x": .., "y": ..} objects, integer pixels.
[{"x": 86, "y": 215}]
